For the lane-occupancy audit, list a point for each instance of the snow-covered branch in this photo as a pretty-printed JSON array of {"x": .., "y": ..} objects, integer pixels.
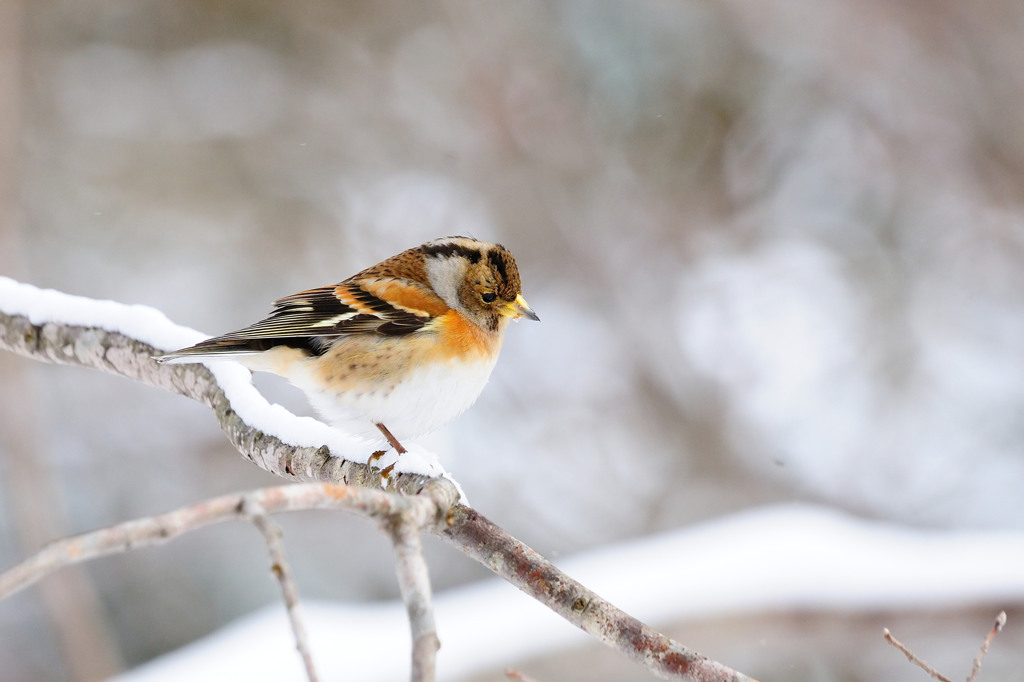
[
  {"x": 54, "y": 327},
  {"x": 105, "y": 335}
]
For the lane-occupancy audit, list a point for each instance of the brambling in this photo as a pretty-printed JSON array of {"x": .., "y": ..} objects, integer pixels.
[{"x": 402, "y": 347}]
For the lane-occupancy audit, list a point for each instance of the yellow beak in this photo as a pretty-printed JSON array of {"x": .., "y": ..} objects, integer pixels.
[{"x": 518, "y": 308}]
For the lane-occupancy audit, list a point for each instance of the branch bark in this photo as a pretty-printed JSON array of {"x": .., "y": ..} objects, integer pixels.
[
  {"x": 492, "y": 546},
  {"x": 283, "y": 573},
  {"x": 155, "y": 530},
  {"x": 414, "y": 583},
  {"x": 935, "y": 674},
  {"x": 459, "y": 525}
]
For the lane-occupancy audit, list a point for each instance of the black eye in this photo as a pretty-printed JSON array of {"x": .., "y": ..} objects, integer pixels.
[{"x": 488, "y": 297}]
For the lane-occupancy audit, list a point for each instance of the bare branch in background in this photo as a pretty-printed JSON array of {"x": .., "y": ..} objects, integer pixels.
[
  {"x": 996, "y": 628},
  {"x": 912, "y": 657},
  {"x": 975, "y": 668}
]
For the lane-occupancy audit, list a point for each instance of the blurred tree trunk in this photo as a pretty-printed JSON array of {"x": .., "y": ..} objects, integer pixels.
[{"x": 88, "y": 650}]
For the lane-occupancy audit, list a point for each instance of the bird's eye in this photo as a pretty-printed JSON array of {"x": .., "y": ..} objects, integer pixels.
[{"x": 488, "y": 297}]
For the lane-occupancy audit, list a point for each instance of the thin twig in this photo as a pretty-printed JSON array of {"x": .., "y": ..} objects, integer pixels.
[
  {"x": 282, "y": 571},
  {"x": 514, "y": 674},
  {"x": 975, "y": 669},
  {"x": 414, "y": 583},
  {"x": 1000, "y": 622},
  {"x": 912, "y": 657}
]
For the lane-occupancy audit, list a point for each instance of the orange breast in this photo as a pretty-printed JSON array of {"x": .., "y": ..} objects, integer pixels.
[{"x": 458, "y": 337}]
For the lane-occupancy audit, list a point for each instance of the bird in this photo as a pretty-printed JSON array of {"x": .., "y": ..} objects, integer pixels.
[{"x": 396, "y": 350}]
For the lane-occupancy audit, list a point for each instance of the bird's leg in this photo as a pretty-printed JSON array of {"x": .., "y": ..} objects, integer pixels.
[
  {"x": 386, "y": 471},
  {"x": 391, "y": 439}
]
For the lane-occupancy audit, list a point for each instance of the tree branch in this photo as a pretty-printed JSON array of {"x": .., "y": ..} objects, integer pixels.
[
  {"x": 155, "y": 530},
  {"x": 492, "y": 546},
  {"x": 432, "y": 505},
  {"x": 118, "y": 354},
  {"x": 912, "y": 657},
  {"x": 996, "y": 629},
  {"x": 282, "y": 571},
  {"x": 935, "y": 674},
  {"x": 414, "y": 583}
]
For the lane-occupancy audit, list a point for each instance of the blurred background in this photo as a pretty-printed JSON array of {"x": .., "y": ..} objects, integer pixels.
[{"x": 776, "y": 248}]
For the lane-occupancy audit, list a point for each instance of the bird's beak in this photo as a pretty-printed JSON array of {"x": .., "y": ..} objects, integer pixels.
[{"x": 518, "y": 308}]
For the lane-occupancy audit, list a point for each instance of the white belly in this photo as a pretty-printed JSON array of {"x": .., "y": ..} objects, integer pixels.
[{"x": 425, "y": 400}]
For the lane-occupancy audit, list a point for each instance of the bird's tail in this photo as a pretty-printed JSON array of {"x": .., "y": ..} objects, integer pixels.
[{"x": 219, "y": 348}]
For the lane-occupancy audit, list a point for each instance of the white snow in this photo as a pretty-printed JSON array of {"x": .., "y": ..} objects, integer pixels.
[
  {"x": 775, "y": 558},
  {"x": 154, "y": 328},
  {"x": 141, "y": 322}
]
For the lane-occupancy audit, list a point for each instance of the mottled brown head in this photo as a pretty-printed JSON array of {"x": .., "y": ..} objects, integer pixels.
[{"x": 479, "y": 279}]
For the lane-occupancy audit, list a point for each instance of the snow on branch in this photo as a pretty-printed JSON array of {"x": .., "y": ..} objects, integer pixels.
[
  {"x": 50, "y": 326},
  {"x": 53, "y": 327}
]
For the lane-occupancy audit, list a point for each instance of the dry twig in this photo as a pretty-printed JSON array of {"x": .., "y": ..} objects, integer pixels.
[
  {"x": 975, "y": 668},
  {"x": 913, "y": 657},
  {"x": 414, "y": 583},
  {"x": 996, "y": 628},
  {"x": 282, "y": 571}
]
